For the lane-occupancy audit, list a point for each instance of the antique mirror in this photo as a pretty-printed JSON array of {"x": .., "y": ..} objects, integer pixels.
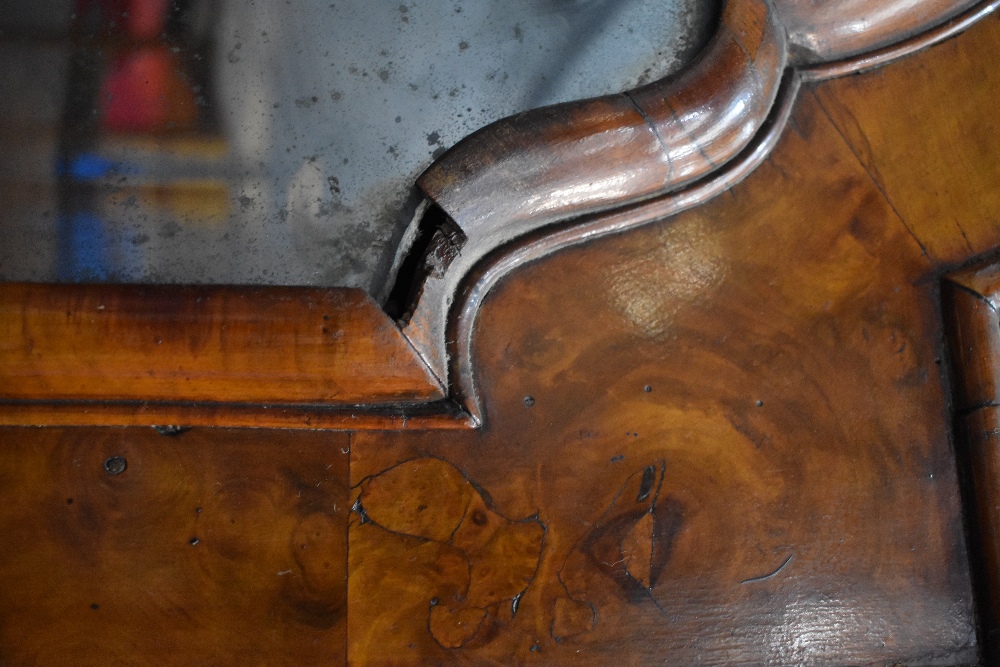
[
  {"x": 300, "y": 175},
  {"x": 243, "y": 143}
]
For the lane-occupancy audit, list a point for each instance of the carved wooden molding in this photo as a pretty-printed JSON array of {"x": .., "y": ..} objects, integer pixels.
[
  {"x": 513, "y": 192},
  {"x": 97, "y": 354},
  {"x": 827, "y": 32},
  {"x": 971, "y": 308},
  {"x": 724, "y": 115}
]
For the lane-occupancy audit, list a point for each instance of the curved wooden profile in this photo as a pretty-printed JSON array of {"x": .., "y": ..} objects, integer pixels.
[
  {"x": 515, "y": 191},
  {"x": 558, "y": 176},
  {"x": 568, "y": 160},
  {"x": 555, "y": 162},
  {"x": 956, "y": 24},
  {"x": 822, "y": 32},
  {"x": 971, "y": 301}
]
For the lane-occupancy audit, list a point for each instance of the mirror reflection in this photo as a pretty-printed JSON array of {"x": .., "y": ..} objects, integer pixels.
[{"x": 270, "y": 142}]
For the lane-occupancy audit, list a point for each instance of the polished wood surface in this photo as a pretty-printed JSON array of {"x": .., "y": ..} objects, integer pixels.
[
  {"x": 723, "y": 115},
  {"x": 213, "y": 344},
  {"x": 573, "y": 159},
  {"x": 795, "y": 431},
  {"x": 731, "y": 446},
  {"x": 902, "y": 48},
  {"x": 126, "y": 547},
  {"x": 980, "y": 456},
  {"x": 201, "y": 355},
  {"x": 828, "y": 31},
  {"x": 785, "y": 492},
  {"x": 934, "y": 158},
  {"x": 547, "y": 178},
  {"x": 721, "y": 437},
  {"x": 970, "y": 298}
]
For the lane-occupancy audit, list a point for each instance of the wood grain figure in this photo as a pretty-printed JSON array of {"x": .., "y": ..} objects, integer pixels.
[{"x": 705, "y": 420}]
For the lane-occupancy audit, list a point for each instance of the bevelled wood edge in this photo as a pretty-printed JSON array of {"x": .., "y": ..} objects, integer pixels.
[
  {"x": 975, "y": 346},
  {"x": 972, "y": 330},
  {"x": 443, "y": 321},
  {"x": 95, "y": 354},
  {"x": 545, "y": 242},
  {"x": 982, "y": 278}
]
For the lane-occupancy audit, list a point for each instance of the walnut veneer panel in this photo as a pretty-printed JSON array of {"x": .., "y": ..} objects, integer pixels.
[
  {"x": 212, "y": 547},
  {"x": 736, "y": 439},
  {"x": 936, "y": 156}
]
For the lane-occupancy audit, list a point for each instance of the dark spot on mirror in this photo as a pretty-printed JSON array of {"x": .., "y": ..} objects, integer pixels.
[{"x": 246, "y": 142}]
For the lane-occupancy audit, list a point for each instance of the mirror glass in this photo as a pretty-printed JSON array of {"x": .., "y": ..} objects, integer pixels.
[{"x": 276, "y": 141}]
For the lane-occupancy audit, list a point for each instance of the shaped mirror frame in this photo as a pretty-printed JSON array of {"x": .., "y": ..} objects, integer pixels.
[{"x": 512, "y": 192}]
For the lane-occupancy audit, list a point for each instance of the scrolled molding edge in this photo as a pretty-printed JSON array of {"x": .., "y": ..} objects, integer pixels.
[{"x": 722, "y": 116}]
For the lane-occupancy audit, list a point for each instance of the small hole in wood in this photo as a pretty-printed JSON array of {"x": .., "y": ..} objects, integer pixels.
[{"x": 115, "y": 465}]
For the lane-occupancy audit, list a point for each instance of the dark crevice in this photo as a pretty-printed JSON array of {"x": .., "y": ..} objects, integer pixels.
[
  {"x": 646, "y": 484},
  {"x": 964, "y": 412},
  {"x": 770, "y": 575},
  {"x": 436, "y": 245}
]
